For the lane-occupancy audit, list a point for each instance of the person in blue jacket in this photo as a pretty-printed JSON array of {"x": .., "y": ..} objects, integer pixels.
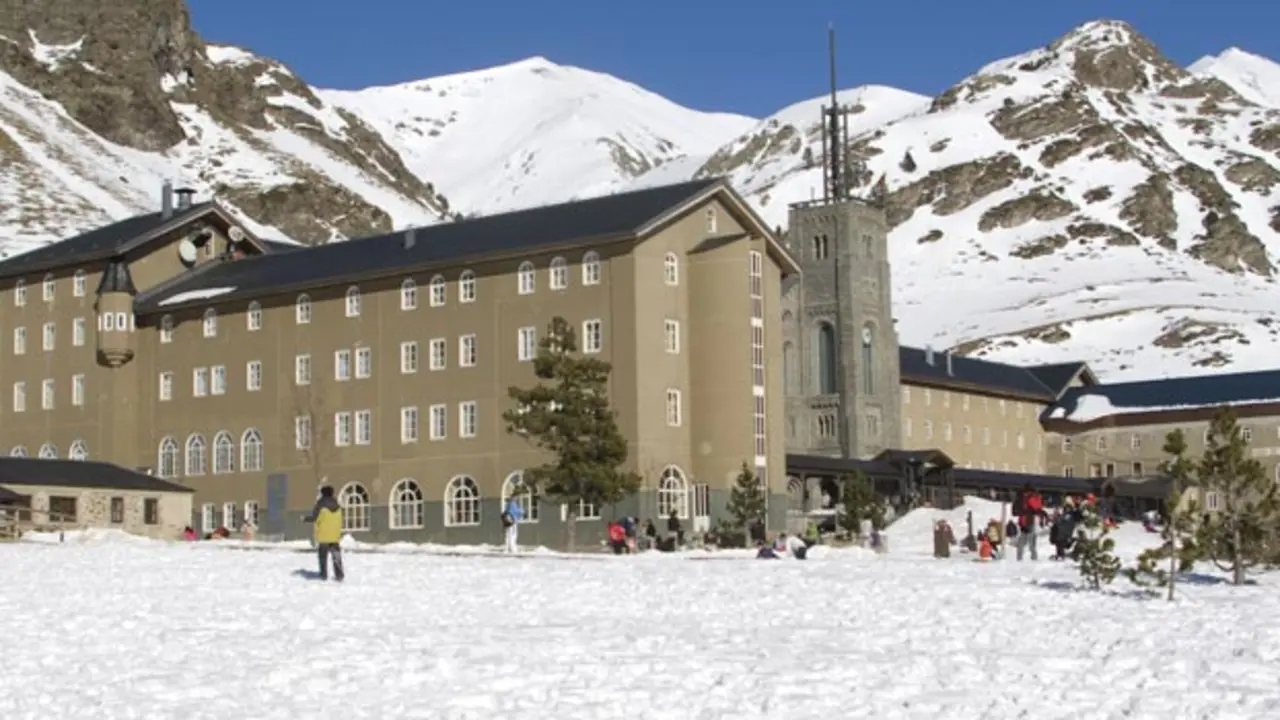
[{"x": 511, "y": 517}]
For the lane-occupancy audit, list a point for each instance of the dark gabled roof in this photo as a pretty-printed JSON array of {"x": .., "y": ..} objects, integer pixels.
[
  {"x": 99, "y": 243},
  {"x": 973, "y": 478},
  {"x": 116, "y": 278},
  {"x": 9, "y": 496},
  {"x": 576, "y": 223},
  {"x": 916, "y": 457},
  {"x": 971, "y": 373},
  {"x": 276, "y": 246},
  {"x": 1058, "y": 376},
  {"x": 81, "y": 474},
  {"x": 1184, "y": 393},
  {"x": 797, "y": 463}
]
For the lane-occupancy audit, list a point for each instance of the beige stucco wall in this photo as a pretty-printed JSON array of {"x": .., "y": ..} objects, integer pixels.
[
  {"x": 93, "y": 509},
  {"x": 1002, "y": 433}
]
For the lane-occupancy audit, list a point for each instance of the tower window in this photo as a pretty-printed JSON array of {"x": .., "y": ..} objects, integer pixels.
[{"x": 820, "y": 247}]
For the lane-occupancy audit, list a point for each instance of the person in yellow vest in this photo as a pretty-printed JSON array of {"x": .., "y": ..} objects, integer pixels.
[{"x": 327, "y": 517}]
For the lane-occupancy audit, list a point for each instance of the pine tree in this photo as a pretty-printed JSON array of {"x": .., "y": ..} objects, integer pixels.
[
  {"x": 1094, "y": 551},
  {"x": 567, "y": 414},
  {"x": 748, "y": 503},
  {"x": 1179, "y": 551},
  {"x": 858, "y": 497}
]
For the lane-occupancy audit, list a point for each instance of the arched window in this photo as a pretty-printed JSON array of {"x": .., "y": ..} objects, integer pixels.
[
  {"x": 253, "y": 318},
  {"x": 408, "y": 294},
  {"x": 868, "y": 359},
  {"x": 79, "y": 284},
  {"x": 166, "y": 329},
  {"x": 526, "y": 278},
  {"x": 167, "y": 458},
  {"x": 252, "y": 457},
  {"x": 671, "y": 269},
  {"x": 210, "y": 324},
  {"x": 673, "y": 493},
  {"x": 18, "y": 451},
  {"x": 790, "y": 373},
  {"x": 48, "y": 451},
  {"x": 49, "y": 285},
  {"x": 461, "y": 502},
  {"x": 406, "y": 505},
  {"x": 302, "y": 309},
  {"x": 591, "y": 268},
  {"x": 353, "y": 301},
  {"x": 467, "y": 287},
  {"x": 439, "y": 291},
  {"x": 79, "y": 451},
  {"x": 224, "y": 453},
  {"x": 355, "y": 507},
  {"x": 513, "y": 488},
  {"x": 826, "y": 359},
  {"x": 559, "y": 273},
  {"x": 197, "y": 460}
]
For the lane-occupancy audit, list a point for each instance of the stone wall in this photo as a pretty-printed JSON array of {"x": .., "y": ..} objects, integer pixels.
[{"x": 93, "y": 509}]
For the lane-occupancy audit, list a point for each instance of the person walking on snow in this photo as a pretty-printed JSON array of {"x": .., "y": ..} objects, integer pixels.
[
  {"x": 327, "y": 517},
  {"x": 511, "y": 518},
  {"x": 1028, "y": 508}
]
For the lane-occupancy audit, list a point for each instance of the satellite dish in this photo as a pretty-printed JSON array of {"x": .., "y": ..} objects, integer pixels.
[
  {"x": 187, "y": 251},
  {"x": 236, "y": 235}
]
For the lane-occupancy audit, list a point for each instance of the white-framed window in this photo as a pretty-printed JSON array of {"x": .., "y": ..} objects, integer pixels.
[
  {"x": 587, "y": 511},
  {"x": 671, "y": 336},
  {"x": 208, "y": 517},
  {"x": 439, "y": 354},
  {"x": 438, "y": 291},
  {"x": 20, "y": 341},
  {"x": 199, "y": 382},
  {"x": 19, "y": 397},
  {"x": 671, "y": 269},
  {"x": 224, "y": 453},
  {"x": 49, "y": 336},
  {"x": 592, "y": 336},
  {"x": 526, "y": 278},
  {"x": 591, "y": 268},
  {"x": 354, "y": 500},
  {"x": 20, "y": 293},
  {"x": 166, "y": 329},
  {"x": 252, "y": 452},
  {"x": 197, "y": 458},
  {"x": 253, "y": 375},
  {"x": 408, "y": 294},
  {"x": 353, "y": 302},
  {"x": 673, "y": 493},
  {"x": 251, "y": 513},
  {"x": 79, "y": 284},
  {"x": 209, "y": 324},
  {"x": 301, "y": 369},
  {"x": 1211, "y": 501},
  {"x": 1135, "y": 442},
  {"x": 364, "y": 427},
  {"x": 166, "y": 386},
  {"x": 407, "y": 505},
  {"x": 302, "y": 310},
  {"x": 675, "y": 415},
  {"x": 19, "y": 451},
  {"x": 77, "y": 332},
  {"x": 408, "y": 425},
  {"x": 467, "y": 287},
  {"x": 468, "y": 419},
  {"x": 558, "y": 274},
  {"x": 364, "y": 362},
  {"x": 218, "y": 383},
  {"x": 439, "y": 421},
  {"x": 47, "y": 396},
  {"x": 49, "y": 451},
  {"x": 408, "y": 358},
  {"x": 467, "y": 352},
  {"x": 1246, "y": 434},
  {"x": 342, "y": 429},
  {"x": 461, "y": 502},
  {"x": 526, "y": 343},
  {"x": 513, "y": 488},
  {"x": 341, "y": 365},
  {"x": 167, "y": 458},
  {"x": 48, "y": 287},
  {"x": 253, "y": 318},
  {"x": 711, "y": 221},
  {"x": 302, "y": 432},
  {"x": 77, "y": 390}
]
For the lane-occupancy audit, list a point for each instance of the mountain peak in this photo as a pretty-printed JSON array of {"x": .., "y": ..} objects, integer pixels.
[{"x": 1255, "y": 77}]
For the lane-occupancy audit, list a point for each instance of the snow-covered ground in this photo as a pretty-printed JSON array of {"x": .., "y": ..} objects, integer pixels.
[{"x": 134, "y": 629}]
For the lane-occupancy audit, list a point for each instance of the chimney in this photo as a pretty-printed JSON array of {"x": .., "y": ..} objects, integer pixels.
[
  {"x": 166, "y": 200},
  {"x": 410, "y": 238},
  {"x": 184, "y": 197},
  {"x": 928, "y": 355},
  {"x": 947, "y": 353}
]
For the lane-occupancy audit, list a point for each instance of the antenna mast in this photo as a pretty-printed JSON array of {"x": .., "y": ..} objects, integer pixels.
[{"x": 835, "y": 134}]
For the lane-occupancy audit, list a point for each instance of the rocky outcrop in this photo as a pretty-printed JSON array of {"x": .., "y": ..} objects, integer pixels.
[
  {"x": 955, "y": 188},
  {"x": 1226, "y": 242},
  {"x": 1150, "y": 211},
  {"x": 1040, "y": 247},
  {"x": 1038, "y": 205},
  {"x": 773, "y": 140},
  {"x": 310, "y": 212},
  {"x": 1048, "y": 115},
  {"x": 1253, "y": 175}
]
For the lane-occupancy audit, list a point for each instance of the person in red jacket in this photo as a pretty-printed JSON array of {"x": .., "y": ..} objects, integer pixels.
[{"x": 1028, "y": 507}]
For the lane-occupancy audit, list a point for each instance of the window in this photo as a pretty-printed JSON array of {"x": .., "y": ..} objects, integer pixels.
[
  {"x": 208, "y": 517},
  {"x": 587, "y": 511},
  {"x": 406, "y": 505},
  {"x": 701, "y": 500},
  {"x": 77, "y": 332},
  {"x": 47, "y": 287},
  {"x": 826, "y": 425},
  {"x": 302, "y": 310},
  {"x": 20, "y": 294},
  {"x": 18, "y": 451},
  {"x": 117, "y": 511},
  {"x": 439, "y": 354},
  {"x": 1135, "y": 442},
  {"x": 342, "y": 429},
  {"x": 461, "y": 502},
  {"x": 1102, "y": 443},
  {"x": 20, "y": 341},
  {"x": 757, "y": 355},
  {"x": 302, "y": 370},
  {"x": 408, "y": 358},
  {"x": 1021, "y": 441},
  {"x": 674, "y": 416},
  {"x": 79, "y": 284},
  {"x": 438, "y": 291},
  {"x": 364, "y": 362},
  {"x": 868, "y": 359},
  {"x": 711, "y": 221},
  {"x": 1136, "y": 469},
  {"x": 408, "y": 294},
  {"x": 224, "y": 453},
  {"x": 218, "y": 386},
  {"x": 526, "y": 344},
  {"x": 467, "y": 419},
  {"x": 673, "y": 493},
  {"x": 46, "y": 394},
  {"x": 1246, "y": 434},
  {"x": 592, "y": 336},
  {"x": 439, "y": 422},
  {"x": 20, "y": 397},
  {"x": 253, "y": 375},
  {"x": 151, "y": 511},
  {"x": 827, "y": 381},
  {"x": 986, "y": 436},
  {"x": 167, "y": 458},
  {"x": 1211, "y": 502},
  {"x": 196, "y": 459},
  {"x": 591, "y": 268},
  {"x": 1066, "y": 444},
  {"x": 758, "y": 423},
  {"x": 364, "y": 427},
  {"x": 77, "y": 390},
  {"x": 513, "y": 488},
  {"x": 302, "y": 432},
  {"x": 526, "y": 278},
  {"x": 342, "y": 365},
  {"x": 467, "y": 287},
  {"x": 166, "y": 329},
  {"x": 49, "y": 336},
  {"x": 252, "y": 452},
  {"x": 967, "y": 434},
  {"x": 355, "y": 507},
  {"x": 467, "y": 351},
  {"x": 210, "y": 323},
  {"x": 819, "y": 247},
  {"x": 251, "y": 513},
  {"x": 353, "y": 302},
  {"x": 671, "y": 269},
  {"x": 927, "y": 428},
  {"x": 559, "y": 274},
  {"x": 906, "y": 427},
  {"x": 671, "y": 333},
  {"x": 48, "y": 451},
  {"x": 408, "y": 425}
]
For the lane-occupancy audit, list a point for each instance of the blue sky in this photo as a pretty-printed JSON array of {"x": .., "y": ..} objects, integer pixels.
[{"x": 754, "y": 58}]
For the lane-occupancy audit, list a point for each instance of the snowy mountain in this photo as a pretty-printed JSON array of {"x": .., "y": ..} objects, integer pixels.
[{"x": 1256, "y": 78}]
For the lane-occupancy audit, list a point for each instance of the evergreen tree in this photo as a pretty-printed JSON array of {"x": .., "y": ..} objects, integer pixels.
[
  {"x": 748, "y": 503},
  {"x": 1094, "y": 551},
  {"x": 858, "y": 498},
  {"x": 1179, "y": 552},
  {"x": 567, "y": 414}
]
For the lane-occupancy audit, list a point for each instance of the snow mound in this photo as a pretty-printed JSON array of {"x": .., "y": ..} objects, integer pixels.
[{"x": 86, "y": 537}]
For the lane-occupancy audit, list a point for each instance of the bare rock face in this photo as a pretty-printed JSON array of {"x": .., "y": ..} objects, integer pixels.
[
  {"x": 955, "y": 188},
  {"x": 1049, "y": 115},
  {"x": 1038, "y": 205},
  {"x": 1149, "y": 210},
  {"x": 1253, "y": 175}
]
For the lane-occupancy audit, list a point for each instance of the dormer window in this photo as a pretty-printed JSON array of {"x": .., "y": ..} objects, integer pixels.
[
  {"x": 302, "y": 310},
  {"x": 671, "y": 269},
  {"x": 591, "y": 268},
  {"x": 467, "y": 287},
  {"x": 20, "y": 293},
  {"x": 48, "y": 287},
  {"x": 210, "y": 323},
  {"x": 353, "y": 301},
  {"x": 526, "y": 278},
  {"x": 79, "y": 284}
]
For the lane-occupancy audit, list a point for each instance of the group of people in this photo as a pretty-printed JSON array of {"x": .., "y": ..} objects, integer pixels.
[{"x": 1029, "y": 516}]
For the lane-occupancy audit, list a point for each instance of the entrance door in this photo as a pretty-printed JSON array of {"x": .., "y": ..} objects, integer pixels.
[{"x": 277, "y": 503}]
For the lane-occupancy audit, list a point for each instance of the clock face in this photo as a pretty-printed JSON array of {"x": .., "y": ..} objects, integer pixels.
[{"x": 866, "y": 335}]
